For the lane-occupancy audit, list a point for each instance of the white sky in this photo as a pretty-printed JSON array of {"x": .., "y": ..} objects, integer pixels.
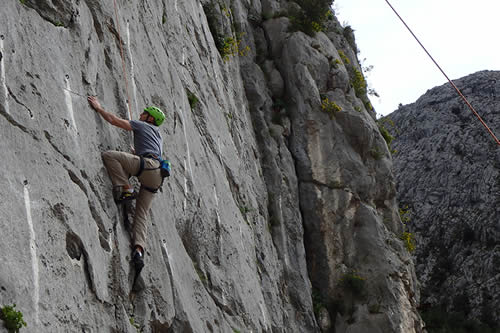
[{"x": 462, "y": 36}]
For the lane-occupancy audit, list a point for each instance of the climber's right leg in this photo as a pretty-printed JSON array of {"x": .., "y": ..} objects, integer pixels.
[{"x": 121, "y": 166}]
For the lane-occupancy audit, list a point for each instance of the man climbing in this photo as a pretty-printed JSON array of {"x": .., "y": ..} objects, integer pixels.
[{"x": 144, "y": 164}]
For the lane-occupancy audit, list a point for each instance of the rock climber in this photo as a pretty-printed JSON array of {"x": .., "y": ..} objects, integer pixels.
[{"x": 144, "y": 164}]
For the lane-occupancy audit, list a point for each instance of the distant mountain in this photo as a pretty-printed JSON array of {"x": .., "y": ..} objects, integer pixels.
[{"x": 447, "y": 168}]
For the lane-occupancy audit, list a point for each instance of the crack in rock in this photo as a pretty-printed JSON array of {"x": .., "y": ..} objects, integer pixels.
[
  {"x": 49, "y": 138},
  {"x": 11, "y": 120},
  {"x": 20, "y": 103},
  {"x": 113, "y": 30},
  {"x": 103, "y": 233},
  {"x": 93, "y": 189},
  {"x": 88, "y": 271},
  {"x": 330, "y": 186},
  {"x": 74, "y": 245}
]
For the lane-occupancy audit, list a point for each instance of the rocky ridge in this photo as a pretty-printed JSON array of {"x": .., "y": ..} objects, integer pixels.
[
  {"x": 447, "y": 169},
  {"x": 279, "y": 216}
]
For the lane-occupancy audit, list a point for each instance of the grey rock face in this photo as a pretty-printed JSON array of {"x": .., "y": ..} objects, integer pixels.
[
  {"x": 448, "y": 173},
  {"x": 270, "y": 197},
  {"x": 346, "y": 196}
]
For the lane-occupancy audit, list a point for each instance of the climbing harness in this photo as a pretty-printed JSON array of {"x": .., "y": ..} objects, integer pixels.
[
  {"x": 446, "y": 76},
  {"x": 164, "y": 167},
  {"x": 123, "y": 59}
]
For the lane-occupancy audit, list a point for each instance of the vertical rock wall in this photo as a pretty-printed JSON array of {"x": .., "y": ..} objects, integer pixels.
[
  {"x": 345, "y": 187},
  {"x": 270, "y": 198}
]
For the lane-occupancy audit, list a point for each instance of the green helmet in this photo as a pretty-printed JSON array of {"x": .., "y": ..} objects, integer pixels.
[{"x": 156, "y": 113}]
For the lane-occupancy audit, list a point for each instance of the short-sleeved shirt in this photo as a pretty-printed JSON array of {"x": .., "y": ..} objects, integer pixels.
[{"x": 147, "y": 138}]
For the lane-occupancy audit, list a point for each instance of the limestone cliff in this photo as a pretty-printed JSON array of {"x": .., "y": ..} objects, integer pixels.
[
  {"x": 448, "y": 174},
  {"x": 280, "y": 215}
]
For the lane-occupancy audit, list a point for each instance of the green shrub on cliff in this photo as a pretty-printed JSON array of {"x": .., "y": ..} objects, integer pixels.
[
  {"x": 345, "y": 60},
  {"x": 192, "y": 98},
  {"x": 330, "y": 107},
  {"x": 348, "y": 34},
  {"x": 232, "y": 47},
  {"x": 312, "y": 17},
  {"x": 353, "y": 283},
  {"x": 318, "y": 302},
  {"x": 13, "y": 320},
  {"x": 228, "y": 43},
  {"x": 385, "y": 133},
  {"x": 408, "y": 238},
  {"x": 359, "y": 83}
]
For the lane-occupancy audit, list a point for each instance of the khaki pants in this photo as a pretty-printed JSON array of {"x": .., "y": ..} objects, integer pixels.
[{"x": 120, "y": 167}]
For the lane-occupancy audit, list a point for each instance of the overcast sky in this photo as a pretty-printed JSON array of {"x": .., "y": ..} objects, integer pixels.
[{"x": 462, "y": 36}]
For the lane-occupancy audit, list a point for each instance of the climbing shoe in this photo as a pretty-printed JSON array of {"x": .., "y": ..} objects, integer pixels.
[
  {"x": 124, "y": 196},
  {"x": 137, "y": 260}
]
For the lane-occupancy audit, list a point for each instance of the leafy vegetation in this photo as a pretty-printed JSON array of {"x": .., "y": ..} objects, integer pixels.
[
  {"x": 357, "y": 77},
  {"x": 312, "y": 17},
  {"x": 368, "y": 105},
  {"x": 244, "y": 210},
  {"x": 404, "y": 214},
  {"x": 13, "y": 320},
  {"x": 232, "y": 47},
  {"x": 318, "y": 302},
  {"x": 193, "y": 100},
  {"x": 330, "y": 107},
  {"x": 136, "y": 325},
  {"x": 408, "y": 238},
  {"x": 353, "y": 283},
  {"x": 376, "y": 153},
  {"x": 374, "y": 308},
  {"x": 335, "y": 63},
  {"x": 228, "y": 44},
  {"x": 344, "y": 57},
  {"x": 348, "y": 34},
  {"x": 385, "y": 133},
  {"x": 203, "y": 278},
  {"x": 354, "y": 286},
  {"x": 359, "y": 83}
]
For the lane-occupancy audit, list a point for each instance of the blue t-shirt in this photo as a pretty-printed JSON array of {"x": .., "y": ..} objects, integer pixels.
[{"x": 147, "y": 138}]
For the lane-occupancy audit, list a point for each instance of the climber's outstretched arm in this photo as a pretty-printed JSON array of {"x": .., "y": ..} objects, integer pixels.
[{"x": 109, "y": 117}]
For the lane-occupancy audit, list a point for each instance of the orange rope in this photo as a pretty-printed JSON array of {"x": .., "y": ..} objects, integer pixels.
[
  {"x": 446, "y": 76},
  {"x": 123, "y": 60}
]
